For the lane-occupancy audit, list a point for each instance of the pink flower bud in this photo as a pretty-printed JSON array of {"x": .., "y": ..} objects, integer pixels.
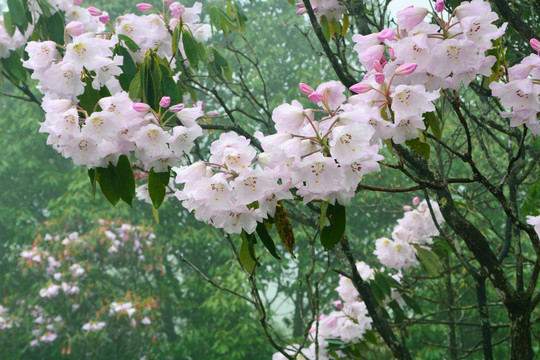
[
  {"x": 386, "y": 34},
  {"x": 306, "y": 89},
  {"x": 165, "y": 101},
  {"x": 535, "y": 44},
  {"x": 144, "y": 7},
  {"x": 140, "y": 107},
  {"x": 300, "y": 5},
  {"x": 416, "y": 201},
  {"x": 167, "y": 2},
  {"x": 75, "y": 28},
  {"x": 411, "y": 16},
  {"x": 439, "y": 6},
  {"x": 301, "y": 11},
  {"x": 406, "y": 69},
  {"x": 315, "y": 97},
  {"x": 176, "y": 108},
  {"x": 377, "y": 66},
  {"x": 338, "y": 304},
  {"x": 407, "y": 208},
  {"x": 379, "y": 78},
  {"x": 77, "y": 2},
  {"x": 360, "y": 88},
  {"x": 383, "y": 61},
  {"x": 104, "y": 19},
  {"x": 177, "y": 10},
  {"x": 392, "y": 53},
  {"x": 212, "y": 114},
  {"x": 94, "y": 11}
]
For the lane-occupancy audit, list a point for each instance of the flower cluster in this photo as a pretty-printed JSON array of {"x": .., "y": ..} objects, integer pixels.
[
  {"x": 407, "y": 66},
  {"x": 322, "y": 153},
  {"x": 68, "y": 266},
  {"x": 416, "y": 228},
  {"x": 522, "y": 92},
  {"x": 331, "y": 9},
  {"x": 117, "y": 125}
]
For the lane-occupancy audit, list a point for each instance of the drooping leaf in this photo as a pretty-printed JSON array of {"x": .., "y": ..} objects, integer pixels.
[
  {"x": 431, "y": 119},
  {"x": 56, "y": 27},
  {"x": 129, "y": 69},
  {"x": 412, "y": 304},
  {"x": 370, "y": 337},
  {"x": 132, "y": 45},
  {"x": 126, "y": 180},
  {"x": 108, "y": 182},
  {"x": 246, "y": 257},
  {"x": 18, "y": 14},
  {"x": 284, "y": 228},
  {"x": 92, "y": 174},
  {"x": 157, "y": 186},
  {"x": 190, "y": 47},
  {"x": 14, "y": 67},
  {"x": 429, "y": 260},
  {"x": 325, "y": 26},
  {"x": 332, "y": 234},
  {"x": 383, "y": 284},
  {"x": 421, "y": 148},
  {"x": 345, "y": 26},
  {"x": 90, "y": 97},
  {"x": 267, "y": 240}
]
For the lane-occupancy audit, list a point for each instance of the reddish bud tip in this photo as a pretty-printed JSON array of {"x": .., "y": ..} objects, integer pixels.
[
  {"x": 176, "y": 108},
  {"x": 360, "y": 88},
  {"x": 416, "y": 201},
  {"x": 406, "y": 69},
  {"x": 306, "y": 89},
  {"x": 141, "y": 107},
  {"x": 94, "y": 11},
  {"x": 75, "y": 28},
  {"x": 165, "y": 102},
  {"x": 104, "y": 19},
  {"x": 379, "y": 78},
  {"x": 535, "y": 44},
  {"x": 144, "y": 7}
]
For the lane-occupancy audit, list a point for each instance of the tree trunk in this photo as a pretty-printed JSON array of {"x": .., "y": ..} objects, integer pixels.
[{"x": 519, "y": 313}]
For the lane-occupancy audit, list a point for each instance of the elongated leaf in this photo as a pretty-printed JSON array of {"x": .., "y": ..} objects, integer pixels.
[
  {"x": 90, "y": 97},
  {"x": 248, "y": 261},
  {"x": 190, "y": 47},
  {"x": 284, "y": 228},
  {"x": 267, "y": 240},
  {"x": 431, "y": 119},
  {"x": 421, "y": 148},
  {"x": 429, "y": 260},
  {"x": 56, "y": 27},
  {"x": 370, "y": 337},
  {"x": 157, "y": 182},
  {"x": 126, "y": 180},
  {"x": 132, "y": 45},
  {"x": 92, "y": 174},
  {"x": 18, "y": 14},
  {"x": 8, "y": 24},
  {"x": 135, "y": 90},
  {"x": 14, "y": 67},
  {"x": 412, "y": 304},
  {"x": 332, "y": 234},
  {"x": 129, "y": 69},
  {"x": 383, "y": 284},
  {"x": 345, "y": 26},
  {"x": 325, "y": 26},
  {"x": 108, "y": 182}
]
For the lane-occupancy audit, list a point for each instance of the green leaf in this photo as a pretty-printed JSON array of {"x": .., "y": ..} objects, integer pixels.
[
  {"x": 214, "y": 17},
  {"x": 325, "y": 26},
  {"x": 248, "y": 261},
  {"x": 432, "y": 122},
  {"x": 380, "y": 279},
  {"x": 332, "y": 234},
  {"x": 90, "y": 97},
  {"x": 56, "y": 27},
  {"x": 157, "y": 183},
  {"x": 429, "y": 260},
  {"x": 132, "y": 45},
  {"x": 8, "y": 24},
  {"x": 93, "y": 178},
  {"x": 135, "y": 90},
  {"x": 267, "y": 240},
  {"x": 190, "y": 47},
  {"x": 126, "y": 180},
  {"x": 169, "y": 85},
  {"x": 370, "y": 337},
  {"x": 377, "y": 291},
  {"x": 412, "y": 304},
  {"x": 14, "y": 67},
  {"x": 284, "y": 228},
  {"x": 225, "y": 21},
  {"x": 421, "y": 148},
  {"x": 221, "y": 64},
  {"x": 18, "y": 13},
  {"x": 108, "y": 182},
  {"x": 129, "y": 69}
]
